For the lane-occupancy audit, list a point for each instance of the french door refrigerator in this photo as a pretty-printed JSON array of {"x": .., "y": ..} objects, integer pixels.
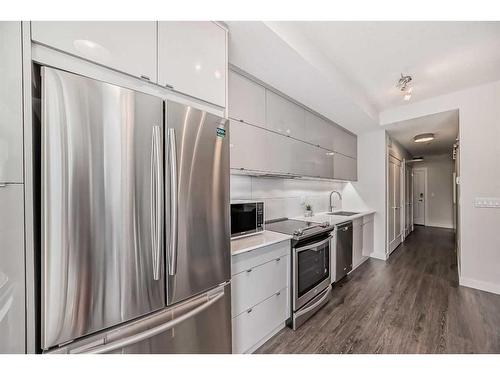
[{"x": 134, "y": 216}]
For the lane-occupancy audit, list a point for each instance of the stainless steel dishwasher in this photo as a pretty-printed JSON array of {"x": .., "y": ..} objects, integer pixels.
[{"x": 343, "y": 264}]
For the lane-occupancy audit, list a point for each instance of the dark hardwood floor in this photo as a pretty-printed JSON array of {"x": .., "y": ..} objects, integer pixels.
[{"x": 410, "y": 304}]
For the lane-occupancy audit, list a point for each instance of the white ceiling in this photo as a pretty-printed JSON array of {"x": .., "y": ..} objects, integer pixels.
[
  {"x": 347, "y": 71},
  {"x": 442, "y": 57},
  {"x": 444, "y": 125}
]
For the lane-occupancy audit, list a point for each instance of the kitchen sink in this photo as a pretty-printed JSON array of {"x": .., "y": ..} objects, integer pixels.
[{"x": 342, "y": 213}]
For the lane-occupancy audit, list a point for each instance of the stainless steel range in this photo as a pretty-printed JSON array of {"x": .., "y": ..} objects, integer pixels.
[{"x": 311, "y": 274}]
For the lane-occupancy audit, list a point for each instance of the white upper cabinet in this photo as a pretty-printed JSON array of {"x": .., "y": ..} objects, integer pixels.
[
  {"x": 129, "y": 47},
  {"x": 318, "y": 131},
  {"x": 11, "y": 117},
  {"x": 345, "y": 143},
  {"x": 192, "y": 59},
  {"x": 284, "y": 117},
  {"x": 344, "y": 168},
  {"x": 247, "y": 100}
]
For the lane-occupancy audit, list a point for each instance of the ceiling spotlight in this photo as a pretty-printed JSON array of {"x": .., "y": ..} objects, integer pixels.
[
  {"x": 426, "y": 137},
  {"x": 404, "y": 83}
]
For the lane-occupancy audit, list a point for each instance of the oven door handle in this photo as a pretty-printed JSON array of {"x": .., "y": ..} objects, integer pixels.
[
  {"x": 313, "y": 245},
  {"x": 316, "y": 304}
]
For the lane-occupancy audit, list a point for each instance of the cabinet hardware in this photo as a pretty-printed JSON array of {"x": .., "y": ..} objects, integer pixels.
[
  {"x": 250, "y": 270},
  {"x": 169, "y": 86},
  {"x": 278, "y": 293},
  {"x": 145, "y": 77},
  {"x": 249, "y": 311},
  {"x": 278, "y": 259}
]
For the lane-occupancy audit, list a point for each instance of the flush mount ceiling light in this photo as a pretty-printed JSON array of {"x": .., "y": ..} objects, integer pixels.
[
  {"x": 404, "y": 85},
  {"x": 426, "y": 137}
]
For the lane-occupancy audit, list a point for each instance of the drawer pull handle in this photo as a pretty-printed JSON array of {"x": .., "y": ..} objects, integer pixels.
[
  {"x": 278, "y": 259},
  {"x": 250, "y": 270},
  {"x": 249, "y": 311},
  {"x": 278, "y": 293}
]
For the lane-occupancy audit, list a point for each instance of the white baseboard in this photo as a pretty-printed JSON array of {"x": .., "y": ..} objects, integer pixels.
[
  {"x": 439, "y": 225},
  {"x": 480, "y": 285},
  {"x": 376, "y": 255},
  {"x": 359, "y": 264}
]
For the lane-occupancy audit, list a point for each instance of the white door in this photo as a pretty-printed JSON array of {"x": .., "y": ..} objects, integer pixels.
[
  {"x": 419, "y": 195},
  {"x": 394, "y": 204},
  {"x": 408, "y": 202}
]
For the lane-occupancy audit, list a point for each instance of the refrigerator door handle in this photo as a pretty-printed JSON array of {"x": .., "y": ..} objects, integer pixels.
[
  {"x": 172, "y": 263},
  {"x": 156, "y": 201},
  {"x": 130, "y": 340}
]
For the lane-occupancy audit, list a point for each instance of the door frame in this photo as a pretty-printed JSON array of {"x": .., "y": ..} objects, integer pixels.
[
  {"x": 426, "y": 192},
  {"x": 392, "y": 245}
]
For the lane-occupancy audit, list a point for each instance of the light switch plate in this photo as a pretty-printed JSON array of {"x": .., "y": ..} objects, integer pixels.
[{"x": 487, "y": 202}]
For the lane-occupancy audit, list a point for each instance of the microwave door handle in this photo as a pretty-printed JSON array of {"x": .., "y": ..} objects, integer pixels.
[
  {"x": 313, "y": 245},
  {"x": 172, "y": 264}
]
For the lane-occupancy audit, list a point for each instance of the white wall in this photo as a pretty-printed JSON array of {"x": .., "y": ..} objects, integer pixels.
[
  {"x": 479, "y": 129},
  {"x": 369, "y": 191},
  {"x": 439, "y": 190},
  {"x": 287, "y": 197}
]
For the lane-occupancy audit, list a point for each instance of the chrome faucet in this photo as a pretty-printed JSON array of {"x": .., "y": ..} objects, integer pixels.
[{"x": 331, "y": 206}]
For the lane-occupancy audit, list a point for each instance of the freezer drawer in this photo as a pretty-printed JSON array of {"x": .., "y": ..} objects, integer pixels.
[
  {"x": 101, "y": 206},
  {"x": 201, "y": 325}
]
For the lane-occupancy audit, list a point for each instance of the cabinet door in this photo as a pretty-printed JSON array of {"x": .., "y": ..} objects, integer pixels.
[
  {"x": 258, "y": 322},
  {"x": 345, "y": 143},
  {"x": 367, "y": 238},
  {"x": 11, "y": 119},
  {"x": 247, "y": 100},
  {"x": 192, "y": 59},
  {"x": 345, "y": 168},
  {"x": 318, "y": 131},
  {"x": 357, "y": 241},
  {"x": 248, "y": 147},
  {"x": 129, "y": 47},
  {"x": 284, "y": 117},
  {"x": 12, "y": 286}
]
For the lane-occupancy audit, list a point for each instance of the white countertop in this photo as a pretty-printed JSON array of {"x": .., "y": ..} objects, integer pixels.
[
  {"x": 333, "y": 219},
  {"x": 265, "y": 238}
]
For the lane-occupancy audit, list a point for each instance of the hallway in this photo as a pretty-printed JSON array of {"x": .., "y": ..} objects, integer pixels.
[{"x": 410, "y": 304}]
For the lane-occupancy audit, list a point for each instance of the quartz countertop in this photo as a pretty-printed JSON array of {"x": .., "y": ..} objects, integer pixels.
[
  {"x": 333, "y": 219},
  {"x": 265, "y": 238}
]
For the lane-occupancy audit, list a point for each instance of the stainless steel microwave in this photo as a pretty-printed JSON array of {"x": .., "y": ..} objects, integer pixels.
[{"x": 247, "y": 218}]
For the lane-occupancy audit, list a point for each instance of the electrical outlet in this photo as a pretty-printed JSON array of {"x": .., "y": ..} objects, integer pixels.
[{"x": 487, "y": 202}]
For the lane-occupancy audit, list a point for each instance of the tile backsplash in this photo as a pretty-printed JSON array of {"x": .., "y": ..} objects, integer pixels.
[{"x": 285, "y": 197}]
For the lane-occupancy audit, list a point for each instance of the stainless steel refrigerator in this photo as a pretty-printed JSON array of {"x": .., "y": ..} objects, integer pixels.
[{"x": 134, "y": 215}]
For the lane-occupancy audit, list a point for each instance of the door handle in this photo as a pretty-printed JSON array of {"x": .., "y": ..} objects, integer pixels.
[
  {"x": 172, "y": 264},
  {"x": 156, "y": 200}
]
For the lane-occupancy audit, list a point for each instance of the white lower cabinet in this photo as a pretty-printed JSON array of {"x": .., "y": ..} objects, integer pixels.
[
  {"x": 357, "y": 242},
  {"x": 272, "y": 274},
  {"x": 12, "y": 284},
  {"x": 260, "y": 295},
  {"x": 257, "y": 323},
  {"x": 368, "y": 222}
]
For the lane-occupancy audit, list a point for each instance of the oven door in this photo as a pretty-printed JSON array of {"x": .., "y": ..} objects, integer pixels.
[{"x": 311, "y": 271}]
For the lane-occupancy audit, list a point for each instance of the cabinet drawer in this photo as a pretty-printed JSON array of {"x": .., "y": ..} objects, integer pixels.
[
  {"x": 126, "y": 46},
  {"x": 250, "y": 259},
  {"x": 254, "y": 285},
  {"x": 252, "y": 326}
]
